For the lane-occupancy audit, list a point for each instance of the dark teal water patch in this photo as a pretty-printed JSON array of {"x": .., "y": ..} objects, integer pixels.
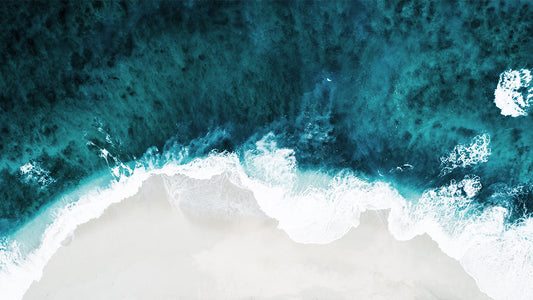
[{"x": 369, "y": 86}]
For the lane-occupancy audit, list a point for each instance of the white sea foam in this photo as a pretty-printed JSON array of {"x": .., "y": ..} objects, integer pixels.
[
  {"x": 501, "y": 261},
  {"x": 496, "y": 255},
  {"x": 312, "y": 206},
  {"x": 465, "y": 155},
  {"x": 19, "y": 271},
  {"x": 514, "y": 93},
  {"x": 33, "y": 172}
]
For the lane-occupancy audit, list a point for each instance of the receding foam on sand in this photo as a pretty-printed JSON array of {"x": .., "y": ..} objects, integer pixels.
[{"x": 145, "y": 248}]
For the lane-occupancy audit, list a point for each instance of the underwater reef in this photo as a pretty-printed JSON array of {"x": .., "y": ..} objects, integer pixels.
[{"x": 385, "y": 88}]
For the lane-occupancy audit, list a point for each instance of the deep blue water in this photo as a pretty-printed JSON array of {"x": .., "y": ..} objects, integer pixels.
[{"x": 389, "y": 90}]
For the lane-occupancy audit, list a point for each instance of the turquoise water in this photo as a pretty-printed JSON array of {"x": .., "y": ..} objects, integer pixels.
[{"x": 424, "y": 103}]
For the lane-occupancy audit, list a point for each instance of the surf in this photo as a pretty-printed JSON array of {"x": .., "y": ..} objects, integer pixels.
[{"x": 310, "y": 205}]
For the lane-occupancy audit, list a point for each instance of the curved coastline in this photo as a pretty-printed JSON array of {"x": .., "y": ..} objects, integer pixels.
[{"x": 144, "y": 247}]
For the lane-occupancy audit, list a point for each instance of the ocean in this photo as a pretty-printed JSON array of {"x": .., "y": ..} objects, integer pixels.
[{"x": 321, "y": 109}]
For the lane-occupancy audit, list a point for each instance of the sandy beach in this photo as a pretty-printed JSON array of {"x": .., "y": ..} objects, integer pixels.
[{"x": 146, "y": 248}]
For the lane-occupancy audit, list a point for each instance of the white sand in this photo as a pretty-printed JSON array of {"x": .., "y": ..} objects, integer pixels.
[{"x": 142, "y": 248}]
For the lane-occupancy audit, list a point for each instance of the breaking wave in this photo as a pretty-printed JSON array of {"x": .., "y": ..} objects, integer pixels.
[{"x": 311, "y": 205}]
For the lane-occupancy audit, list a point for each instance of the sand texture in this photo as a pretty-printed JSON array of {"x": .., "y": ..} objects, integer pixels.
[{"x": 145, "y": 248}]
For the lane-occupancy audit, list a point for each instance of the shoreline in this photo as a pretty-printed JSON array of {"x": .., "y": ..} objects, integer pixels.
[{"x": 145, "y": 248}]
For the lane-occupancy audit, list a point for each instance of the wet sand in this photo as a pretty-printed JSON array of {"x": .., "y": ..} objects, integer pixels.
[{"x": 145, "y": 248}]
